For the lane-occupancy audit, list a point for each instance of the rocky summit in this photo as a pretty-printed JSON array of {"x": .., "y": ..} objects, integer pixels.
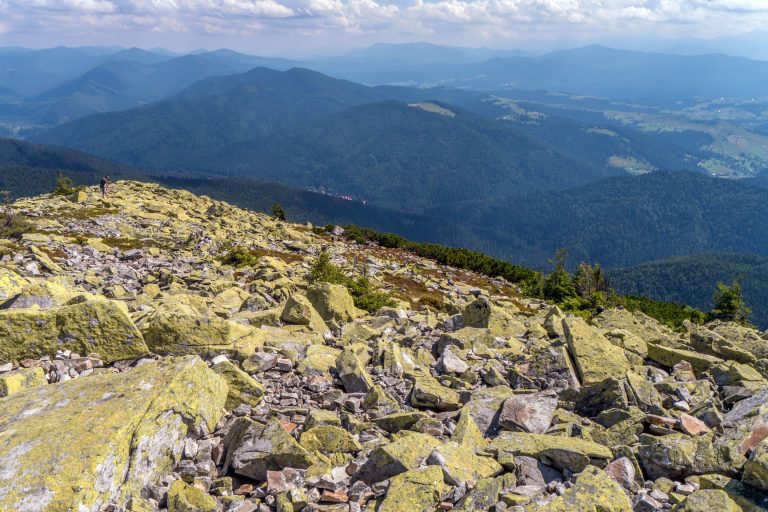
[{"x": 143, "y": 367}]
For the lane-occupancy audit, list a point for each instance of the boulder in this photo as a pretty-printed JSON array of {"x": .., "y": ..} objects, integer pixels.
[
  {"x": 229, "y": 301},
  {"x": 19, "y": 380},
  {"x": 243, "y": 389},
  {"x": 569, "y": 453},
  {"x": 334, "y": 303},
  {"x": 428, "y": 393},
  {"x": 179, "y": 334},
  {"x": 460, "y": 464},
  {"x": 707, "y": 500},
  {"x": 298, "y": 310},
  {"x": 595, "y": 357},
  {"x": 669, "y": 357},
  {"x": 352, "y": 373},
  {"x": 594, "y": 491},
  {"x": 11, "y": 284},
  {"x": 405, "y": 453},
  {"x": 94, "y": 326},
  {"x": 53, "y": 458},
  {"x": 418, "y": 490},
  {"x": 484, "y": 407},
  {"x": 183, "y": 497},
  {"x": 329, "y": 439},
  {"x": 676, "y": 456},
  {"x": 756, "y": 468},
  {"x": 253, "y": 449},
  {"x": 485, "y": 493},
  {"x": 529, "y": 412},
  {"x": 483, "y": 313}
]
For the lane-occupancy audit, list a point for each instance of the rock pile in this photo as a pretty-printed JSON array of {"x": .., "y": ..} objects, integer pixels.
[{"x": 139, "y": 373}]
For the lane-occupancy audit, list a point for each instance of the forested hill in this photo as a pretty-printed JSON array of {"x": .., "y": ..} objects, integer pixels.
[
  {"x": 626, "y": 221},
  {"x": 692, "y": 280},
  {"x": 30, "y": 169}
]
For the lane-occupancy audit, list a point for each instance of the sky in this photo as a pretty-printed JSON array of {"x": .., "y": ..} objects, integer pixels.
[{"x": 307, "y": 27}]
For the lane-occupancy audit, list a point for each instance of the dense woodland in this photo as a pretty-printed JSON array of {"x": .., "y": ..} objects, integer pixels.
[{"x": 692, "y": 280}]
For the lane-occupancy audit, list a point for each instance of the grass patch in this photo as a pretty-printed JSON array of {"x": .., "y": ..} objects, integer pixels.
[
  {"x": 412, "y": 291},
  {"x": 124, "y": 244}
]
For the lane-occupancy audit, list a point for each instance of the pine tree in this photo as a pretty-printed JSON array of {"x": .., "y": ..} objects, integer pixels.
[
  {"x": 729, "y": 303},
  {"x": 278, "y": 211}
]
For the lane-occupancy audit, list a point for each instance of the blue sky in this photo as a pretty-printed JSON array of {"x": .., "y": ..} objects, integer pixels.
[{"x": 295, "y": 27}]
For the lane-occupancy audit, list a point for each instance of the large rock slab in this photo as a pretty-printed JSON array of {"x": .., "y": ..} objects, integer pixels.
[
  {"x": 97, "y": 326},
  {"x": 85, "y": 443},
  {"x": 168, "y": 333},
  {"x": 569, "y": 453},
  {"x": 595, "y": 357},
  {"x": 677, "y": 456}
]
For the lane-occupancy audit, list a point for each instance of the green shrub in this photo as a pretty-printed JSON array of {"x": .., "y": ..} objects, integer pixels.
[
  {"x": 324, "y": 270},
  {"x": 729, "y": 303},
  {"x": 278, "y": 211},
  {"x": 363, "y": 293},
  {"x": 239, "y": 257},
  {"x": 65, "y": 186},
  {"x": 13, "y": 226}
]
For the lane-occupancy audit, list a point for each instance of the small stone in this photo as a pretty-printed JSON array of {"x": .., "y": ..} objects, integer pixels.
[
  {"x": 334, "y": 497},
  {"x": 219, "y": 359},
  {"x": 684, "y": 489},
  {"x": 622, "y": 470},
  {"x": 452, "y": 363},
  {"x": 284, "y": 365},
  {"x": 692, "y": 426}
]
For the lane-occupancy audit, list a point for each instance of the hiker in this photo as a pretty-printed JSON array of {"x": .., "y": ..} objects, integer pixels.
[{"x": 104, "y": 186}]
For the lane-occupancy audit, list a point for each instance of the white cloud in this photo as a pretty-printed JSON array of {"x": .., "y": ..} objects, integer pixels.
[{"x": 485, "y": 20}]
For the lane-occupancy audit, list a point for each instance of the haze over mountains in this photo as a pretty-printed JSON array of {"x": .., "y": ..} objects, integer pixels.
[{"x": 610, "y": 154}]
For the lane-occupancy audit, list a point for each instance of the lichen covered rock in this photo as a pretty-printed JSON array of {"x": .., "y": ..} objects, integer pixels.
[
  {"x": 95, "y": 326},
  {"x": 85, "y": 443},
  {"x": 417, "y": 490}
]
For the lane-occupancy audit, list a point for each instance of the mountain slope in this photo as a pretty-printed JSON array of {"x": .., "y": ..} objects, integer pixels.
[
  {"x": 30, "y": 169},
  {"x": 410, "y": 157},
  {"x": 175, "y": 133}
]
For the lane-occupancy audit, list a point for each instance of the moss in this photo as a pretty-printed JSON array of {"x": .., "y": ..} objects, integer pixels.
[{"x": 13, "y": 382}]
